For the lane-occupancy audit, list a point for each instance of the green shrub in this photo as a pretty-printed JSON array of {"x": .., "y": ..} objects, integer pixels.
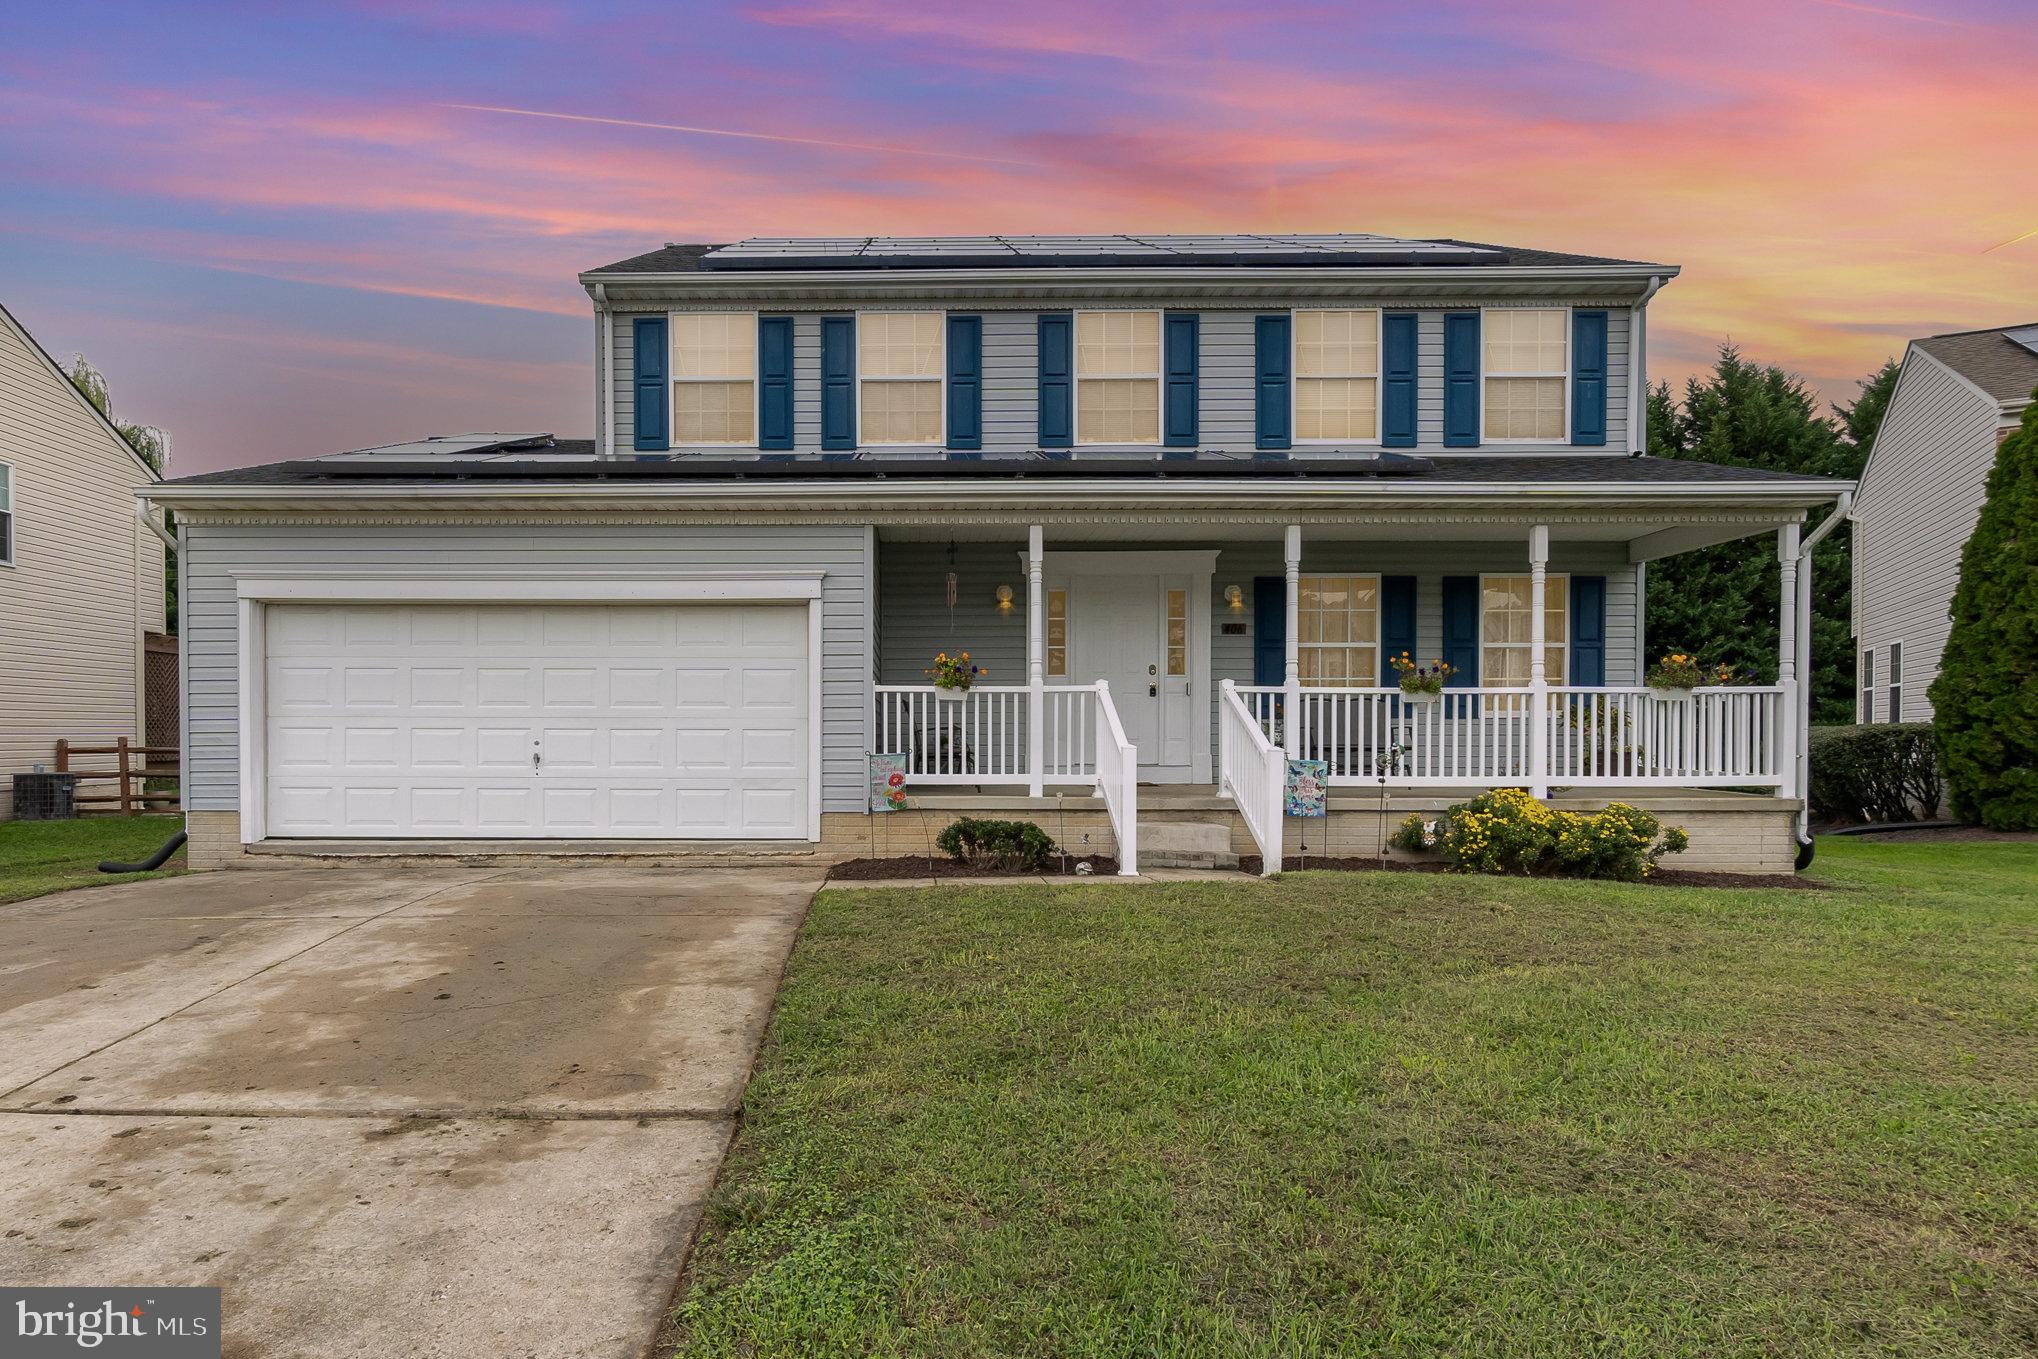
[
  {"x": 1006, "y": 845},
  {"x": 1885, "y": 772},
  {"x": 1508, "y": 832},
  {"x": 1985, "y": 700}
]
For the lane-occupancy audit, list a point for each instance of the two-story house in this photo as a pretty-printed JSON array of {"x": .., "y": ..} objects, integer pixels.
[
  {"x": 1957, "y": 398},
  {"x": 1185, "y": 498}
]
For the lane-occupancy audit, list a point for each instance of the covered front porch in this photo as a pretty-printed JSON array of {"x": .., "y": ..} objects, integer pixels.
[{"x": 1174, "y": 657}]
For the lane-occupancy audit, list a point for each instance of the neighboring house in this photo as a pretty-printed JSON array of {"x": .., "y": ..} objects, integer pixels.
[
  {"x": 81, "y": 579},
  {"x": 1957, "y": 398},
  {"x": 1184, "y": 496}
]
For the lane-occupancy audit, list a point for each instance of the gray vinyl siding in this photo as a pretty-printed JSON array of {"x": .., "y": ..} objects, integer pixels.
[
  {"x": 1918, "y": 502},
  {"x": 218, "y": 554},
  {"x": 1225, "y": 394},
  {"x": 914, "y": 621}
]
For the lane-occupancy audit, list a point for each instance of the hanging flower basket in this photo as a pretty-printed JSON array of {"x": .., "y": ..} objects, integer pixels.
[
  {"x": 953, "y": 676},
  {"x": 1422, "y": 683},
  {"x": 1678, "y": 676}
]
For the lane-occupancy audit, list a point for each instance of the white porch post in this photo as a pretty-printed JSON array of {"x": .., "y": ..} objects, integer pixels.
[
  {"x": 1786, "y": 663},
  {"x": 1539, "y": 680},
  {"x": 1291, "y": 664},
  {"x": 1036, "y": 666}
]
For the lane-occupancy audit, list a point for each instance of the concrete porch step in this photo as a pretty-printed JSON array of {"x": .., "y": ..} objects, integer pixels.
[{"x": 1185, "y": 844}]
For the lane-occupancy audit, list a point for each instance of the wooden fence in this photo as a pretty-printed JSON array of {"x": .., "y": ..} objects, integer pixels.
[{"x": 136, "y": 766}]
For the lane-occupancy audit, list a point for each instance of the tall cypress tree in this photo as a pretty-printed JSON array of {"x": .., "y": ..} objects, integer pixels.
[
  {"x": 1985, "y": 701},
  {"x": 1721, "y": 602}
]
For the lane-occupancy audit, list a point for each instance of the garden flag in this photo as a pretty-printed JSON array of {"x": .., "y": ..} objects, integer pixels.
[
  {"x": 888, "y": 783},
  {"x": 1308, "y": 784}
]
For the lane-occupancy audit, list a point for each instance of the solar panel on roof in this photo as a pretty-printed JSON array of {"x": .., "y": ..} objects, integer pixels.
[
  {"x": 2027, "y": 336},
  {"x": 1203, "y": 248}
]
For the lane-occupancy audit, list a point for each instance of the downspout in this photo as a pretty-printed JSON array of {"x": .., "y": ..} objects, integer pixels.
[
  {"x": 1638, "y": 363},
  {"x": 141, "y": 513},
  {"x": 1841, "y": 512},
  {"x": 605, "y": 392}
]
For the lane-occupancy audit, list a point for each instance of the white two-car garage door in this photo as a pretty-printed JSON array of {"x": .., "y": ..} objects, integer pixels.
[{"x": 683, "y": 721}]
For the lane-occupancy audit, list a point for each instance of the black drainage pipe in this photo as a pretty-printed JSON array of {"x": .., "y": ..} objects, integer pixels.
[
  {"x": 152, "y": 863},
  {"x": 1891, "y": 827},
  {"x": 1806, "y": 848}
]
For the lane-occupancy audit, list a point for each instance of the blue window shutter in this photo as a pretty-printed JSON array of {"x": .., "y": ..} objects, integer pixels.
[
  {"x": 1178, "y": 404},
  {"x": 965, "y": 382},
  {"x": 1461, "y": 379},
  {"x": 647, "y": 347},
  {"x": 774, "y": 382},
  {"x": 1057, "y": 374},
  {"x": 1271, "y": 369},
  {"x": 1588, "y": 377},
  {"x": 1461, "y": 630},
  {"x": 838, "y": 382},
  {"x": 1270, "y": 629},
  {"x": 1397, "y": 379},
  {"x": 1588, "y": 630},
  {"x": 1397, "y": 623}
]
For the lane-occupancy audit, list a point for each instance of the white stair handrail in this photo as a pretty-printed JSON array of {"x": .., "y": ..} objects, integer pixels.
[
  {"x": 1254, "y": 772},
  {"x": 1118, "y": 781}
]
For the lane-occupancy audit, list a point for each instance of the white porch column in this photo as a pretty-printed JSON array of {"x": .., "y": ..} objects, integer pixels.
[
  {"x": 1786, "y": 661},
  {"x": 1291, "y": 664},
  {"x": 1036, "y": 665},
  {"x": 1539, "y": 680}
]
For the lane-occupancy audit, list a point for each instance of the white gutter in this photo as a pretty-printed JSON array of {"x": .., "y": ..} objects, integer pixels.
[
  {"x": 141, "y": 512},
  {"x": 1842, "y": 511},
  {"x": 1638, "y": 369},
  {"x": 1026, "y": 493}
]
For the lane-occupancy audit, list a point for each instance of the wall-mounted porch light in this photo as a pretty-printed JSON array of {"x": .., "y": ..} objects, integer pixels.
[
  {"x": 1234, "y": 597},
  {"x": 1004, "y": 599}
]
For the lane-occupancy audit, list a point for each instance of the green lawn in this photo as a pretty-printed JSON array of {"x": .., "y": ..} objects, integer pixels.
[
  {"x": 1396, "y": 1114},
  {"x": 49, "y": 856}
]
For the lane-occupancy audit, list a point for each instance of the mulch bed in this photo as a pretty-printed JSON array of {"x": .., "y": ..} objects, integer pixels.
[
  {"x": 1662, "y": 877},
  {"x": 920, "y": 866}
]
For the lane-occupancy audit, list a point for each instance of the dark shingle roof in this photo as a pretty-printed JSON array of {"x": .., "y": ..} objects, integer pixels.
[
  {"x": 1029, "y": 252},
  {"x": 573, "y": 459},
  {"x": 1989, "y": 359}
]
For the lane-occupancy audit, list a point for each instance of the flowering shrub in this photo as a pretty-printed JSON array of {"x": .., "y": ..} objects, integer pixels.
[
  {"x": 1422, "y": 679},
  {"x": 1508, "y": 832},
  {"x": 955, "y": 672},
  {"x": 1679, "y": 671}
]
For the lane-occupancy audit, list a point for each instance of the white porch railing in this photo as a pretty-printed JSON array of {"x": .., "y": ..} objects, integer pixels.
[
  {"x": 980, "y": 735},
  {"x": 1714, "y": 737},
  {"x": 1118, "y": 781},
  {"x": 1253, "y": 772}
]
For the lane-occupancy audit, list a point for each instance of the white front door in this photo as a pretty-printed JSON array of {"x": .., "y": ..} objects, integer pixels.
[
  {"x": 682, "y": 721},
  {"x": 1136, "y": 630}
]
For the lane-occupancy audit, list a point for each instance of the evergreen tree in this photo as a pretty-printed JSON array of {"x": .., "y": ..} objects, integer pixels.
[
  {"x": 1985, "y": 701},
  {"x": 1722, "y": 602},
  {"x": 1859, "y": 421}
]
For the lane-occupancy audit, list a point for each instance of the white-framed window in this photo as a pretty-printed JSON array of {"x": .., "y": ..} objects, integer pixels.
[
  {"x": 901, "y": 377},
  {"x": 1337, "y": 626},
  {"x": 1337, "y": 377},
  {"x": 1896, "y": 681},
  {"x": 1057, "y": 634},
  {"x": 1118, "y": 377},
  {"x": 714, "y": 378},
  {"x": 1505, "y": 620},
  {"x": 6, "y": 515},
  {"x": 1526, "y": 368},
  {"x": 1867, "y": 708}
]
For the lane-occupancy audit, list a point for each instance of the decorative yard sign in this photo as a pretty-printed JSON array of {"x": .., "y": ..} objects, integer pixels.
[
  {"x": 888, "y": 783},
  {"x": 1308, "y": 786}
]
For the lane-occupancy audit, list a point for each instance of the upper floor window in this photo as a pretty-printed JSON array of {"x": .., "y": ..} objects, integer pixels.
[
  {"x": 1337, "y": 621},
  {"x": 1867, "y": 713},
  {"x": 1527, "y": 370},
  {"x": 898, "y": 374},
  {"x": 6, "y": 515},
  {"x": 1505, "y": 623},
  {"x": 714, "y": 377},
  {"x": 1337, "y": 376},
  {"x": 1118, "y": 377}
]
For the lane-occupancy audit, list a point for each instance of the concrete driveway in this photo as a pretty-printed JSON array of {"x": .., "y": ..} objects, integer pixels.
[{"x": 390, "y": 1110}]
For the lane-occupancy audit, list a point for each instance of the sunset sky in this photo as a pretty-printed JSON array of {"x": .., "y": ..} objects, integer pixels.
[{"x": 284, "y": 235}]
